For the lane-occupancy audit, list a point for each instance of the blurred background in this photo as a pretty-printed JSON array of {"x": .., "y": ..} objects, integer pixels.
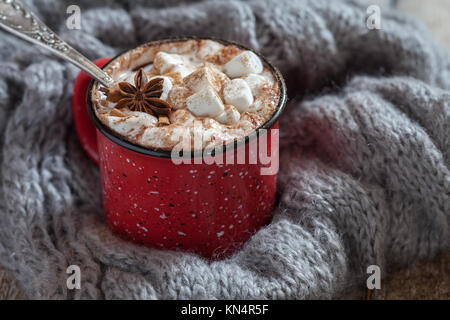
[
  {"x": 422, "y": 280},
  {"x": 434, "y": 13}
]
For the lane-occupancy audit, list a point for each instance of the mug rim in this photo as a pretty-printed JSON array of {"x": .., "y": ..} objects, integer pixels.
[{"x": 121, "y": 141}]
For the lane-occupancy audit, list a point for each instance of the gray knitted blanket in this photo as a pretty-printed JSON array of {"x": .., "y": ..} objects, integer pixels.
[{"x": 364, "y": 174}]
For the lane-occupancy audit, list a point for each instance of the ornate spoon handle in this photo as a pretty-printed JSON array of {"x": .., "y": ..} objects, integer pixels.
[{"x": 20, "y": 21}]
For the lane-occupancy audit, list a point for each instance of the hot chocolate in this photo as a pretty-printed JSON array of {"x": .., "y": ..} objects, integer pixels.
[{"x": 166, "y": 91}]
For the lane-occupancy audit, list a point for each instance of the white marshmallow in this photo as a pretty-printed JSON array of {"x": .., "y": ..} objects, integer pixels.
[
  {"x": 244, "y": 63},
  {"x": 169, "y": 62},
  {"x": 133, "y": 124},
  {"x": 255, "y": 82},
  {"x": 205, "y": 103},
  {"x": 269, "y": 77},
  {"x": 201, "y": 78},
  {"x": 229, "y": 116},
  {"x": 219, "y": 75},
  {"x": 182, "y": 70},
  {"x": 238, "y": 93},
  {"x": 182, "y": 116},
  {"x": 177, "y": 97},
  {"x": 256, "y": 106},
  {"x": 167, "y": 86},
  {"x": 165, "y": 62},
  {"x": 207, "y": 49},
  {"x": 161, "y": 137},
  {"x": 205, "y": 131}
]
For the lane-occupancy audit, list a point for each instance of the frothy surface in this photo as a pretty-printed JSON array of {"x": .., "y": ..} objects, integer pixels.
[{"x": 218, "y": 93}]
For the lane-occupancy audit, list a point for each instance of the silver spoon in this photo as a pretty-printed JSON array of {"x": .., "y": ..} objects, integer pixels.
[{"x": 17, "y": 19}]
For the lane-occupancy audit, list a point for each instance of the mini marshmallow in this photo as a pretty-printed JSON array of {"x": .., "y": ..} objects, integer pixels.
[
  {"x": 167, "y": 86},
  {"x": 244, "y": 63},
  {"x": 182, "y": 70},
  {"x": 256, "y": 82},
  {"x": 256, "y": 106},
  {"x": 133, "y": 124},
  {"x": 182, "y": 116},
  {"x": 205, "y": 103},
  {"x": 204, "y": 132},
  {"x": 202, "y": 78},
  {"x": 165, "y": 62},
  {"x": 174, "y": 77},
  {"x": 159, "y": 137},
  {"x": 238, "y": 93},
  {"x": 229, "y": 116},
  {"x": 177, "y": 97},
  {"x": 208, "y": 48},
  {"x": 219, "y": 75}
]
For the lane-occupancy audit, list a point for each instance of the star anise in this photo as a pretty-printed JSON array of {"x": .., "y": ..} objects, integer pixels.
[{"x": 144, "y": 96}]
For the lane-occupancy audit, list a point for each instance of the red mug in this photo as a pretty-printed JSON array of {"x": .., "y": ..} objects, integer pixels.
[{"x": 206, "y": 208}]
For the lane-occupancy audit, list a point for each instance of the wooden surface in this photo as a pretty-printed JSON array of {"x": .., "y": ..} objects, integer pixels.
[{"x": 420, "y": 281}]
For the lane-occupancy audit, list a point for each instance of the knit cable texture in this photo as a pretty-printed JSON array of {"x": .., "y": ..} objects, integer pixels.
[{"x": 364, "y": 177}]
